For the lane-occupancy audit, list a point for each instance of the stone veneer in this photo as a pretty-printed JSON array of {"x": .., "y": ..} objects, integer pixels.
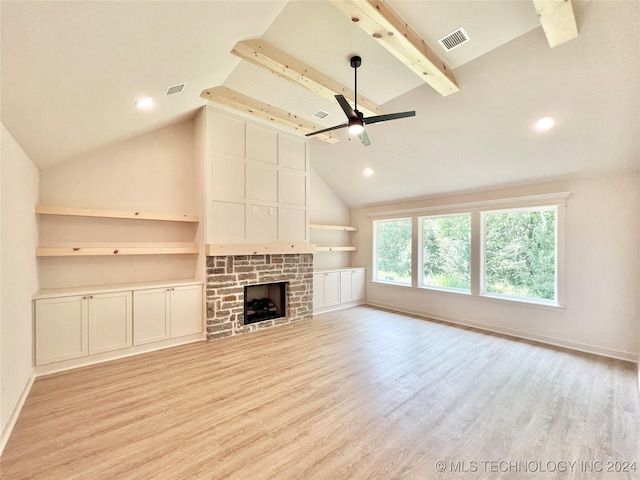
[{"x": 228, "y": 275}]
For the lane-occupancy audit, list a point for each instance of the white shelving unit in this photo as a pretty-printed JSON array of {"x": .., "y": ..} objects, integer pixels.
[
  {"x": 110, "y": 249},
  {"x": 334, "y": 248}
]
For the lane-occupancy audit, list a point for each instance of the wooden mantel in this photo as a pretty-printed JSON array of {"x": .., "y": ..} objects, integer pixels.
[{"x": 222, "y": 249}]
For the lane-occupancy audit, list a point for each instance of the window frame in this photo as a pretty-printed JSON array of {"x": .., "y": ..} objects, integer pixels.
[
  {"x": 476, "y": 209},
  {"x": 483, "y": 257},
  {"x": 374, "y": 273},
  {"x": 420, "y": 269}
]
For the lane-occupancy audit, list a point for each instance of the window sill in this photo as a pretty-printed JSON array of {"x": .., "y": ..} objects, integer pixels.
[
  {"x": 512, "y": 301},
  {"x": 392, "y": 284},
  {"x": 525, "y": 302}
]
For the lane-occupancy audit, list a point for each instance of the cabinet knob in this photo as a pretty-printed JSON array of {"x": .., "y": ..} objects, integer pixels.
[
  {"x": 84, "y": 298},
  {"x": 90, "y": 296}
]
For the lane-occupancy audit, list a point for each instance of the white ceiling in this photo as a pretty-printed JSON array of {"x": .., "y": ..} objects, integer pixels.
[{"x": 72, "y": 71}]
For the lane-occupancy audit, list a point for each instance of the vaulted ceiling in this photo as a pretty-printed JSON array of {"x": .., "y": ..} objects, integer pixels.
[{"x": 72, "y": 71}]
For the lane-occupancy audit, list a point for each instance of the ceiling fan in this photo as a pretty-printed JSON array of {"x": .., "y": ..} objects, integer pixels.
[{"x": 355, "y": 119}]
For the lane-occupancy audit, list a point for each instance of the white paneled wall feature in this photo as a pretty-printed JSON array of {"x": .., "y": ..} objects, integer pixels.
[
  {"x": 229, "y": 178},
  {"x": 292, "y": 224},
  {"x": 262, "y": 144},
  {"x": 263, "y": 223},
  {"x": 258, "y": 182},
  {"x": 292, "y": 153},
  {"x": 293, "y": 188},
  {"x": 227, "y": 135},
  {"x": 229, "y": 221},
  {"x": 263, "y": 183}
]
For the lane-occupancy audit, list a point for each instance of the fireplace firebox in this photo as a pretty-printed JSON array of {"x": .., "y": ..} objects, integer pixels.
[{"x": 265, "y": 302}]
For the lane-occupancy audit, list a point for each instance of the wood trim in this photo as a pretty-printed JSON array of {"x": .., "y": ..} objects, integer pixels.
[
  {"x": 236, "y": 100},
  {"x": 221, "y": 249},
  {"x": 346, "y": 228},
  {"x": 336, "y": 249},
  {"x": 379, "y": 20},
  {"x": 541, "y": 200},
  {"x": 279, "y": 63},
  {"x": 112, "y": 251},
  {"x": 89, "y": 212},
  {"x": 557, "y": 20}
]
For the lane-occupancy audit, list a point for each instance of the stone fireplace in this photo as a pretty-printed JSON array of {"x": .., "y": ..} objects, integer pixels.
[{"x": 227, "y": 277}]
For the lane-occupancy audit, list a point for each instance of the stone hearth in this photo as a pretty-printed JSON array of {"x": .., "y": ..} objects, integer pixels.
[{"x": 228, "y": 275}]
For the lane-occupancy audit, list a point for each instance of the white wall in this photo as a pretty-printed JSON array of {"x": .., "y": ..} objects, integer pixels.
[
  {"x": 601, "y": 314},
  {"x": 328, "y": 209},
  {"x": 154, "y": 172},
  {"x": 19, "y": 280}
]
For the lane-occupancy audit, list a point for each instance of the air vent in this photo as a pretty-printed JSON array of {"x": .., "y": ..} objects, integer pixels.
[
  {"x": 454, "y": 39},
  {"x": 175, "y": 89},
  {"x": 321, "y": 114}
]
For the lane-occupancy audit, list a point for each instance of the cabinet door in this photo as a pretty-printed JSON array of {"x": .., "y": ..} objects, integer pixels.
[
  {"x": 110, "y": 322},
  {"x": 61, "y": 329},
  {"x": 318, "y": 290},
  {"x": 346, "y": 289},
  {"x": 331, "y": 289},
  {"x": 358, "y": 282},
  {"x": 186, "y": 310},
  {"x": 151, "y": 310}
]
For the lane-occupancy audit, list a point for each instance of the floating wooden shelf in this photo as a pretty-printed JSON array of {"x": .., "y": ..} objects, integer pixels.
[
  {"x": 112, "y": 251},
  {"x": 218, "y": 249},
  {"x": 336, "y": 249},
  {"x": 88, "y": 212},
  {"x": 345, "y": 228}
]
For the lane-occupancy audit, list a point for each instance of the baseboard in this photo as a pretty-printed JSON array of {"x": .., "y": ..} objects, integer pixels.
[
  {"x": 340, "y": 306},
  {"x": 15, "y": 413},
  {"x": 85, "y": 361},
  {"x": 557, "y": 342}
]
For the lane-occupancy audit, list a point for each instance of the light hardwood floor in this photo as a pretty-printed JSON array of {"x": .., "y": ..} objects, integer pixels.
[{"x": 357, "y": 394}]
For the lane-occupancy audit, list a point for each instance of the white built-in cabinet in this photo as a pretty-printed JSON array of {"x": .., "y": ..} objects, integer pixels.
[
  {"x": 79, "y": 325},
  {"x": 257, "y": 182},
  {"x": 162, "y": 313},
  {"x": 110, "y": 321},
  {"x": 352, "y": 288},
  {"x": 88, "y": 325},
  {"x": 338, "y": 288}
]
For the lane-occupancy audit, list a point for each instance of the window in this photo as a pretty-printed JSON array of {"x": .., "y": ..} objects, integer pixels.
[
  {"x": 446, "y": 252},
  {"x": 508, "y": 249},
  {"x": 520, "y": 253},
  {"x": 392, "y": 249}
]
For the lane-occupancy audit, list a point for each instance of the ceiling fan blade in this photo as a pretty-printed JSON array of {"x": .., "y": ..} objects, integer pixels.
[
  {"x": 348, "y": 111},
  {"x": 326, "y": 130},
  {"x": 365, "y": 138},
  {"x": 389, "y": 116}
]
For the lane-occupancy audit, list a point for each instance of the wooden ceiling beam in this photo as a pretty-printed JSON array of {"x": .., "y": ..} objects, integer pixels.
[
  {"x": 378, "y": 19},
  {"x": 276, "y": 61},
  {"x": 557, "y": 19},
  {"x": 232, "y": 99}
]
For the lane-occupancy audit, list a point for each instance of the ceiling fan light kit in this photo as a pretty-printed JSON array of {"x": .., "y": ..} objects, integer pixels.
[{"x": 356, "y": 120}]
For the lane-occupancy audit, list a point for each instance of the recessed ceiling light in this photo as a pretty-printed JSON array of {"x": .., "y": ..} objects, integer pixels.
[
  {"x": 367, "y": 172},
  {"x": 545, "y": 123},
  {"x": 145, "y": 103}
]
